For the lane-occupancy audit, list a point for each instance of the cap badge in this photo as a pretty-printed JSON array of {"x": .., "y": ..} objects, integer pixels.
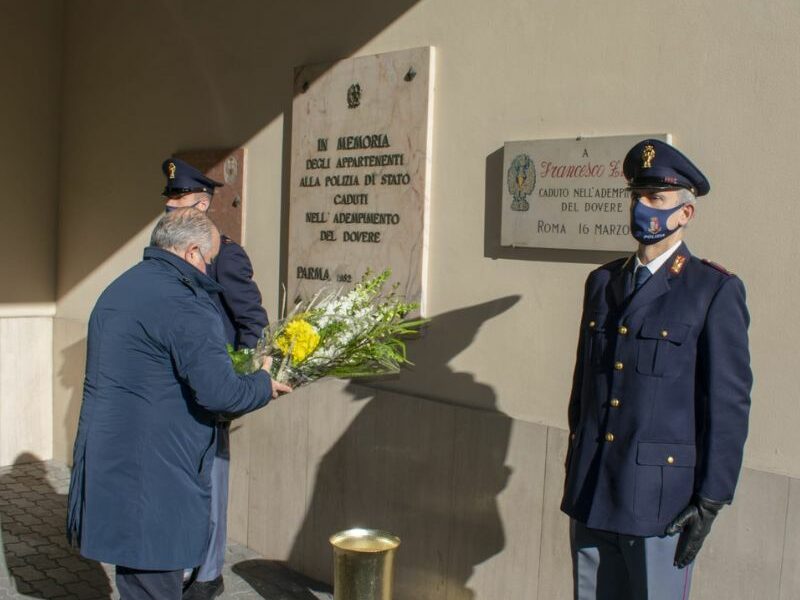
[
  {"x": 171, "y": 170},
  {"x": 648, "y": 154},
  {"x": 677, "y": 264}
]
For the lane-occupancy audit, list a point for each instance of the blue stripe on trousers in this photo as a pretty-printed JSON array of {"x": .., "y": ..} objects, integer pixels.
[{"x": 612, "y": 566}]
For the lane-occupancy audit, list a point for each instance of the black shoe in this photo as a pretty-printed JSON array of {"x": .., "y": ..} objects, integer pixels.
[{"x": 204, "y": 590}]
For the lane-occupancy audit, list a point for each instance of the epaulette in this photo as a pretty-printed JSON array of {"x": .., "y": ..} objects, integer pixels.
[{"x": 714, "y": 265}]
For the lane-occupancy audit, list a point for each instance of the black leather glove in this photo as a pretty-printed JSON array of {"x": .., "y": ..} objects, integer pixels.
[{"x": 694, "y": 524}]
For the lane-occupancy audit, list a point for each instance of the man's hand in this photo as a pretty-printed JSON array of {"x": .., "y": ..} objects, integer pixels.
[
  {"x": 694, "y": 524},
  {"x": 277, "y": 387}
]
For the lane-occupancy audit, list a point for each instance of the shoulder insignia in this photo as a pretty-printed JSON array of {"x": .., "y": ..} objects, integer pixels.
[
  {"x": 678, "y": 264},
  {"x": 714, "y": 265}
]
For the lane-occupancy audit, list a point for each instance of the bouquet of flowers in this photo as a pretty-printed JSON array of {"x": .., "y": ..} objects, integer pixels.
[{"x": 336, "y": 334}]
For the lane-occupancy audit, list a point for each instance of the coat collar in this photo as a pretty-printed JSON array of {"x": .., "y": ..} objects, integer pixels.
[
  {"x": 659, "y": 284},
  {"x": 189, "y": 274}
]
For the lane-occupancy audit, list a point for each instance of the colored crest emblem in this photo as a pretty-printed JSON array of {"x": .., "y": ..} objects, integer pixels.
[
  {"x": 354, "y": 96},
  {"x": 648, "y": 154},
  {"x": 521, "y": 180},
  {"x": 171, "y": 170},
  {"x": 655, "y": 226}
]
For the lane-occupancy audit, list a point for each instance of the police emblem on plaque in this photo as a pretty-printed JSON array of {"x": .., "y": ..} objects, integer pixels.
[
  {"x": 655, "y": 226},
  {"x": 354, "y": 96},
  {"x": 521, "y": 179}
]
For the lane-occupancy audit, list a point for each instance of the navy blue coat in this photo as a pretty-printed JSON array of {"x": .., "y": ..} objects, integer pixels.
[
  {"x": 243, "y": 316},
  {"x": 156, "y": 373},
  {"x": 660, "y": 395}
]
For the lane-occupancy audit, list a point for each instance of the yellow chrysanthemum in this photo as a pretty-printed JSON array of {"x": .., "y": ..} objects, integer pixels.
[{"x": 299, "y": 337}]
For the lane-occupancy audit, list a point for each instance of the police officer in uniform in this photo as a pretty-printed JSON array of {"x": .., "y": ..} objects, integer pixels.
[
  {"x": 658, "y": 413},
  {"x": 244, "y": 320}
]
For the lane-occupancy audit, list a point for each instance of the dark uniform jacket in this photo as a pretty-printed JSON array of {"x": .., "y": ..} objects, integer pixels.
[
  {"x": 156, "y": 372},
  {"x": 660, "y": 395},
  {"x": 243, "y": 316}
]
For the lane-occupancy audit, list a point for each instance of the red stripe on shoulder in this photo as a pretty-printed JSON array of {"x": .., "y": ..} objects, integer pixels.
[{"x": 714, "y": 265}]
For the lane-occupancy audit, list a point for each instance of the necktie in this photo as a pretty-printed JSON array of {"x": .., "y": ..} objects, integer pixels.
[{"x": 642, "y": 274}]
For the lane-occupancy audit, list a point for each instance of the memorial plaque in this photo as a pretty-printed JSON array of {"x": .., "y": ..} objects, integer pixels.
[
  {"x": 360, "y": 174},
  {"x": 227, "y": 206},
  {"x": 568, "y": 193}
]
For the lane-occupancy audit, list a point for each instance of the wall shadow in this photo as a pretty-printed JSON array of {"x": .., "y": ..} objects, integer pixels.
[
  {"x": 426, "y": 470},
  {"x": 493, "y": 202},
  {"x": 30, "y": 61},
  {"x": 33, "y": 511},
  {"x": 149, "y": 78},
  {"x": 70, "y": 376}
]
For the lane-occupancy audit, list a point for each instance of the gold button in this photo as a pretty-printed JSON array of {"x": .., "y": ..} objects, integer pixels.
[
  {"x": 664, "y": 333},
  {"x": 615, "y": 402},
  {"x": 670, "y": 460},
  {"x": 609, "y": 437},
  {"x": 619, "y": 366},
  {"x": 592, "y": 324},
  {"x": 623, "y": 330}
]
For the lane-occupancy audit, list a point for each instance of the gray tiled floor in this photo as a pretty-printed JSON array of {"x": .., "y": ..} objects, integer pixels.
[{"x": 37, "y": 563}]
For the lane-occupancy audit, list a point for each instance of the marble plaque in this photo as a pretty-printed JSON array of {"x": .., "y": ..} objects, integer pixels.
[
  {"x": 360, "y": 174},
  {"x": 568, "y": 193}
]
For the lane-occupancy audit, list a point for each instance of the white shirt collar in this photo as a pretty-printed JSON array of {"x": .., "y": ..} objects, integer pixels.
[{"x": 655, "y": 264}]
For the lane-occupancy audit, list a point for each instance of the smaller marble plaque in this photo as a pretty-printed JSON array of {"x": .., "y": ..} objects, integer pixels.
[{"x": 568, "y": 193}]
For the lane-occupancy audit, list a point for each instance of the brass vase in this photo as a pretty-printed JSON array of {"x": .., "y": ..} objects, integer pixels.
[{"x": 362, "y": 564}]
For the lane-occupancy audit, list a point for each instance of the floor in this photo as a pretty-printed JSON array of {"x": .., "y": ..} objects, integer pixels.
[{"x": 36, "y": 561}]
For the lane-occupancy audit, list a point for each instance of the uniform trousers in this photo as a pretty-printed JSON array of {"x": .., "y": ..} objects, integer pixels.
[
  {"x": 220, "y": 472},
  {"x": 613, "y": 566},
  {"x": 134, "y": 584}
]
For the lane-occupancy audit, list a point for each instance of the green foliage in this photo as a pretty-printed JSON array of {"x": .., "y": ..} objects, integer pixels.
[
  {"x": 362, "y": 333},
  {"x": 243, "y": 360}
]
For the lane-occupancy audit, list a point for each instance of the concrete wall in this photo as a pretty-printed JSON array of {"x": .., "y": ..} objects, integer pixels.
[
  {"x": 461, "y": 456},
  {"x": 472, "y": 493},
  {"x": 30, "y": 104}
]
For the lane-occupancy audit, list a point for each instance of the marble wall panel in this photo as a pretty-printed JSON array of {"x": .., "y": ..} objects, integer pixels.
[
  {"x": 239, "y": 483},
  {"x": 330, "y": 411},
  {"x": 26, "y": 389},
  {"x": 277, "y": 489},
  {"x": 384, "y": 461},
  {"x": 790, "y": 567},
  {"x": 69, "y": 366},
  {"x": 741, "y": 559},
  {"x": 498, "y": 488},
  {"x": 555, "y": 566}
]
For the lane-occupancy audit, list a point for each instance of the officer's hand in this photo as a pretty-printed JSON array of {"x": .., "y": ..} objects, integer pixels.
[{"x": 694, "y": 524}]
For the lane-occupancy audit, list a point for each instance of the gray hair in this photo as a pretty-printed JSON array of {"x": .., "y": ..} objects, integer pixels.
[
  {"x": 687, "y": 196},
  {"x": 181, "y": 228}
]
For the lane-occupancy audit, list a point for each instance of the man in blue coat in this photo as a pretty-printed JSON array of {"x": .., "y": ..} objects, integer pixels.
[
  {"x": 658, "y": 413},
  {"x": 244, "y": 320},
  {"x": 157, "y": 374}
]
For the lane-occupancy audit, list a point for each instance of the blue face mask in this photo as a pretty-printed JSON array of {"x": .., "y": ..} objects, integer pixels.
[{"x": 649, "y": 225}]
